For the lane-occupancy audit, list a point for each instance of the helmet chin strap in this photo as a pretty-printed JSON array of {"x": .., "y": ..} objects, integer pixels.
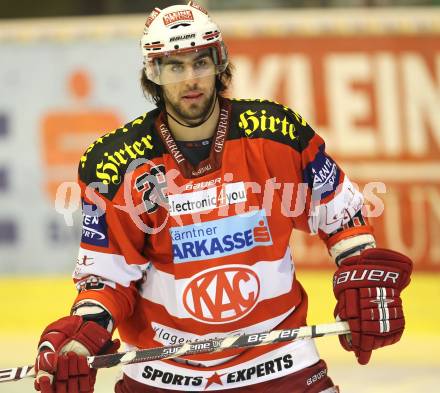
[{"x": 198, "y": 124}]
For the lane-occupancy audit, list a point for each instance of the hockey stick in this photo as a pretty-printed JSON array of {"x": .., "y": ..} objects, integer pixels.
[{"x": 195, "y": 347}]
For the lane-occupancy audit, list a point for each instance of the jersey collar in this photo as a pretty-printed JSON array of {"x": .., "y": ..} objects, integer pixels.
[{"x": 214, "y": 161}]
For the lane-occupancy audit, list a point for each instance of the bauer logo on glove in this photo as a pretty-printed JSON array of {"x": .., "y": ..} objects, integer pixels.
[
  {"x": 367, "y": 288},
  {"x": 363, "y": 275}
]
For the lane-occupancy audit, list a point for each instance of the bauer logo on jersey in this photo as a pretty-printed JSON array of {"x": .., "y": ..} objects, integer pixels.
[
  {"x": 218, "y": 238},
  {"x": 322, "y": 175},
  {"x": 94, "y": 228},
  {"x": 205, "y": 200}
]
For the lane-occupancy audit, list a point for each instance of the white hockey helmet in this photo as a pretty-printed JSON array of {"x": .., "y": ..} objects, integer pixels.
[{"x": 180, "y": 29}]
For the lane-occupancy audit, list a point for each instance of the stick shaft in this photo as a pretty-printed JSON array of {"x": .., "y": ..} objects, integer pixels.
[{"x": 192, "y": 348}]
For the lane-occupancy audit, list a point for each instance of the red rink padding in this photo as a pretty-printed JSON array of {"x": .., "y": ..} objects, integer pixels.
[{"x": 313, "y": 379}]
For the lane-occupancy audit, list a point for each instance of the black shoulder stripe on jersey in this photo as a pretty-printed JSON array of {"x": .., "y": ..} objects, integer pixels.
[
  {"x": 267, "y": 119},
  {"x": 109, "y": 157}
]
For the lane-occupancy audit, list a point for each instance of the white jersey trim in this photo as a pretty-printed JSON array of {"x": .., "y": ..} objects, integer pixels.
[
  {"x": 111, "y": 267},
  {"x": 164, "y": 289},
  {"x": 334, "y": 214}
]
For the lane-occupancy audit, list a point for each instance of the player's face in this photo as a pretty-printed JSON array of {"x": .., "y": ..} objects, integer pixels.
[{"x": 192, "y": 96}]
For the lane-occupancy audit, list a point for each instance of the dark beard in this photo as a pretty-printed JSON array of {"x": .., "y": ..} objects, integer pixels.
[{"x": 196, "y": 118}]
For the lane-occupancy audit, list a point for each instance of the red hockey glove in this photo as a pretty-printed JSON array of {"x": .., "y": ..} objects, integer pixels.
[
  {"x": 367, "y": 288},
  {"x": 61, "y": 364}
]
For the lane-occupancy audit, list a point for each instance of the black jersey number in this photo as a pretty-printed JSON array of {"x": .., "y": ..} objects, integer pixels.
[{"x": 152, "y": 185}]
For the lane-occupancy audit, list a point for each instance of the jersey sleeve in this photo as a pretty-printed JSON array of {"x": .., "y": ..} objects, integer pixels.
[
  {"x": 335, "y": 204},
  {"x": 324, "y": 200},
  {"x": 110, "y": 260}
]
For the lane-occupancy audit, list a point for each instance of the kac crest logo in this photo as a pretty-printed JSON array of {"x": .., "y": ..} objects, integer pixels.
[{"x": 223, "y": 294}]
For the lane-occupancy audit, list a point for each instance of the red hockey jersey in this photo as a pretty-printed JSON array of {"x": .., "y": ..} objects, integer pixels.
[{"x": 178, "y": 252}]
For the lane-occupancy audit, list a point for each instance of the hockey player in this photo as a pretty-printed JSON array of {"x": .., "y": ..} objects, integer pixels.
[{"x": 187, "y": 215}]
